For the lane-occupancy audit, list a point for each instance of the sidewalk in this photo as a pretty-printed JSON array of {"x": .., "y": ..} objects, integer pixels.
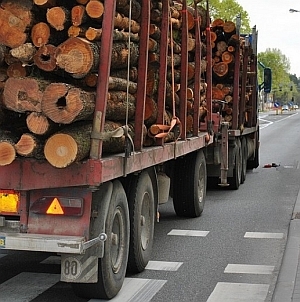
[{"x": 288, "y": 283}]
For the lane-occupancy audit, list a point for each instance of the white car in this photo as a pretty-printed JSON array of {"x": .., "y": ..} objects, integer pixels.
[{"x": 285, "y": 108}]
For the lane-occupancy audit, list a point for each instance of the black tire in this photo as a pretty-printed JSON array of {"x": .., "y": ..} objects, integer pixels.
[
  {"x": 142, "y": 216},
  {"x": 235, "y": 180},
  {"x": 244, "y": 159},
  {"x": 112, "y": 267},
  {"x": 190, "y": 180},
  {"x": 253, "y": 162}
]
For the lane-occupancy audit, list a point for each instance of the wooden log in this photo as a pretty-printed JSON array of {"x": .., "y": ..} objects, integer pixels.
[
  {"x": 120, "y": 51},
  {"x": 45, "y": 3},
  {"x": 91, "y": 80},
  {"x": 229, "y": 28},
  {"x": 154, "y": 32},
  {"x": 58, "y": 17},
  {"x": 3, "y": 52},
  {"x": 227, "y": 57},
  {"x": 95, "y": 9},
  {"x": 124, "y": 8},
  {"x": 123, "y": 73},
  {"x": 119, "y": 104},
  {"x": 83, "y": 2},
  {"x": 217, "y": 23},
  {"x": 120, "y": 84},
  {"x": 78, "y": 15},
  {"x": 12, "y": 29},
  {"x": 7, "y": 149},
  {"x": 221, "y": 46},
  {"x": 39, "y": 124},
  {"x": 77, "y": 56},
  {"x": 217, "y": 93},
  {"x": 44, "y": 58},
  {"x": 76, "y": 31},
  {"x": 17, "y": 70},
  {"x": 123, "y": 23},
  {"x": 151, "y": 111},
  {"x": 68, "y": 146},
  {"x": 30, "y": 145},
  {"x": 40, "y": 34},
  {"x": 24, "y": 53},
  {"x": 23, "y": 94},
  {"x": 20, "y": 9},
  {"x": 63, "y": 103},
  {"x": 220, "y": 69}
]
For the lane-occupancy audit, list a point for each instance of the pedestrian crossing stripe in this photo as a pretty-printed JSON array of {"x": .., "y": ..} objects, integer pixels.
[
  {"x": 136, "y": 290},
  {"x": 25, "y": 287}
]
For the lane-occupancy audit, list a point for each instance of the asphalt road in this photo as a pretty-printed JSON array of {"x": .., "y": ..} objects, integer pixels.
[{"x": 234, "y": 249}]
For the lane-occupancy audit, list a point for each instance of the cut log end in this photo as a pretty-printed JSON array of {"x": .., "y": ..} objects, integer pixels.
[
  {"x": 7, "y": 153},
  {"x": 25, "y": 145},
  {"x": 60, "y": 150}
]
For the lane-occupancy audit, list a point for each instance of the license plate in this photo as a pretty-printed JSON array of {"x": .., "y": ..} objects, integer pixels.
[
  {"x": 9, "y": 202},
  {"x": 2, "y": 242}
]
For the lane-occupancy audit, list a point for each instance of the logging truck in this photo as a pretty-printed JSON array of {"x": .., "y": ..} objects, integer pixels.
[{"x": 109, "y": 110}]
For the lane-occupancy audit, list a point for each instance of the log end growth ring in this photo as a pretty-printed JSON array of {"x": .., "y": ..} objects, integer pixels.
[{"x": 60, "y": 150}]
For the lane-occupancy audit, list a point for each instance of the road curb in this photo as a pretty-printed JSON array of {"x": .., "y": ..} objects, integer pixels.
[{"x": 286, "y": 282}]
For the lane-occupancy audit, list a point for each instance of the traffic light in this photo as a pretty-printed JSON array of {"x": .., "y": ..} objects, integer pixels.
[
  {"x": 291, "y": 88},
  {"x": 267, "y": 80}
]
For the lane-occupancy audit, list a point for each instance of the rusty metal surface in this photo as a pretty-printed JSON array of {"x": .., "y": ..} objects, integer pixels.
[{"x": 29, "y": 174}]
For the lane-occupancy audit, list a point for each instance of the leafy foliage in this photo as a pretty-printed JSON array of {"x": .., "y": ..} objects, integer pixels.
[{"x": 226, "y": 10}]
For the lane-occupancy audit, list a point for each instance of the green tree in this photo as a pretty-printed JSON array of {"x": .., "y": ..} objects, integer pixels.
[
  {"x": 226, "y": 10},
  {"x": 280, "y": 65}
]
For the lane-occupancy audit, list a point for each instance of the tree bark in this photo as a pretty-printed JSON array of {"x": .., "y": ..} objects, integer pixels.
[{"x": 118, "y": 106}]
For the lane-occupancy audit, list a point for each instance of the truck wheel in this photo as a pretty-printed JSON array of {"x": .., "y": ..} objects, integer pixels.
[
  {"x": 112, "y": 267},
  {"x": 190, "y": 181},
  {"x": 244, "y": 159},
  {"x": 235, "y": 180},
  {"x": 142, "y": 216}
]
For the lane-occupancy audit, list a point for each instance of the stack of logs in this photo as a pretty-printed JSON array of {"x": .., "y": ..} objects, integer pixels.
[
  {"x": 226, "y": 45},
  {"x": 49, "y": 57}
]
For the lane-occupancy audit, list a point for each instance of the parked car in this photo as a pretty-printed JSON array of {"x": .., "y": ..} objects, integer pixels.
[
  {"x": 295, "y": 106},
  {"x": 285, "y": 108}
]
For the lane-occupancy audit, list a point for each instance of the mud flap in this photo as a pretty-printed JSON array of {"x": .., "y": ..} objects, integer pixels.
[{"x": 79, "y": 268}]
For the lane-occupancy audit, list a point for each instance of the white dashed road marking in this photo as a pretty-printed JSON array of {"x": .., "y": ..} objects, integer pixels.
[
  {"x": 188, "y": 233},
  {"x": 163, "y": 265},
  {"x": 232, "y": 292},
  {"x": 261, "y": 235},
  {"x": 249, "y": 269}
]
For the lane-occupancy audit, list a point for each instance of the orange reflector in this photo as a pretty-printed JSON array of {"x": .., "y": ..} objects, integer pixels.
[
  {"x": 55, "y": 208},
  {"x": 9, "y": 202}
]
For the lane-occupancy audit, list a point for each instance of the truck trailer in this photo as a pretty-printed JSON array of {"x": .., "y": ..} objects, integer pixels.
[{"x": 150, "y": 125}]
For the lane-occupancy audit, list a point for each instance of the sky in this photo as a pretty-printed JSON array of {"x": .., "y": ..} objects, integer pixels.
[{"x": 277, "y": 27}]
